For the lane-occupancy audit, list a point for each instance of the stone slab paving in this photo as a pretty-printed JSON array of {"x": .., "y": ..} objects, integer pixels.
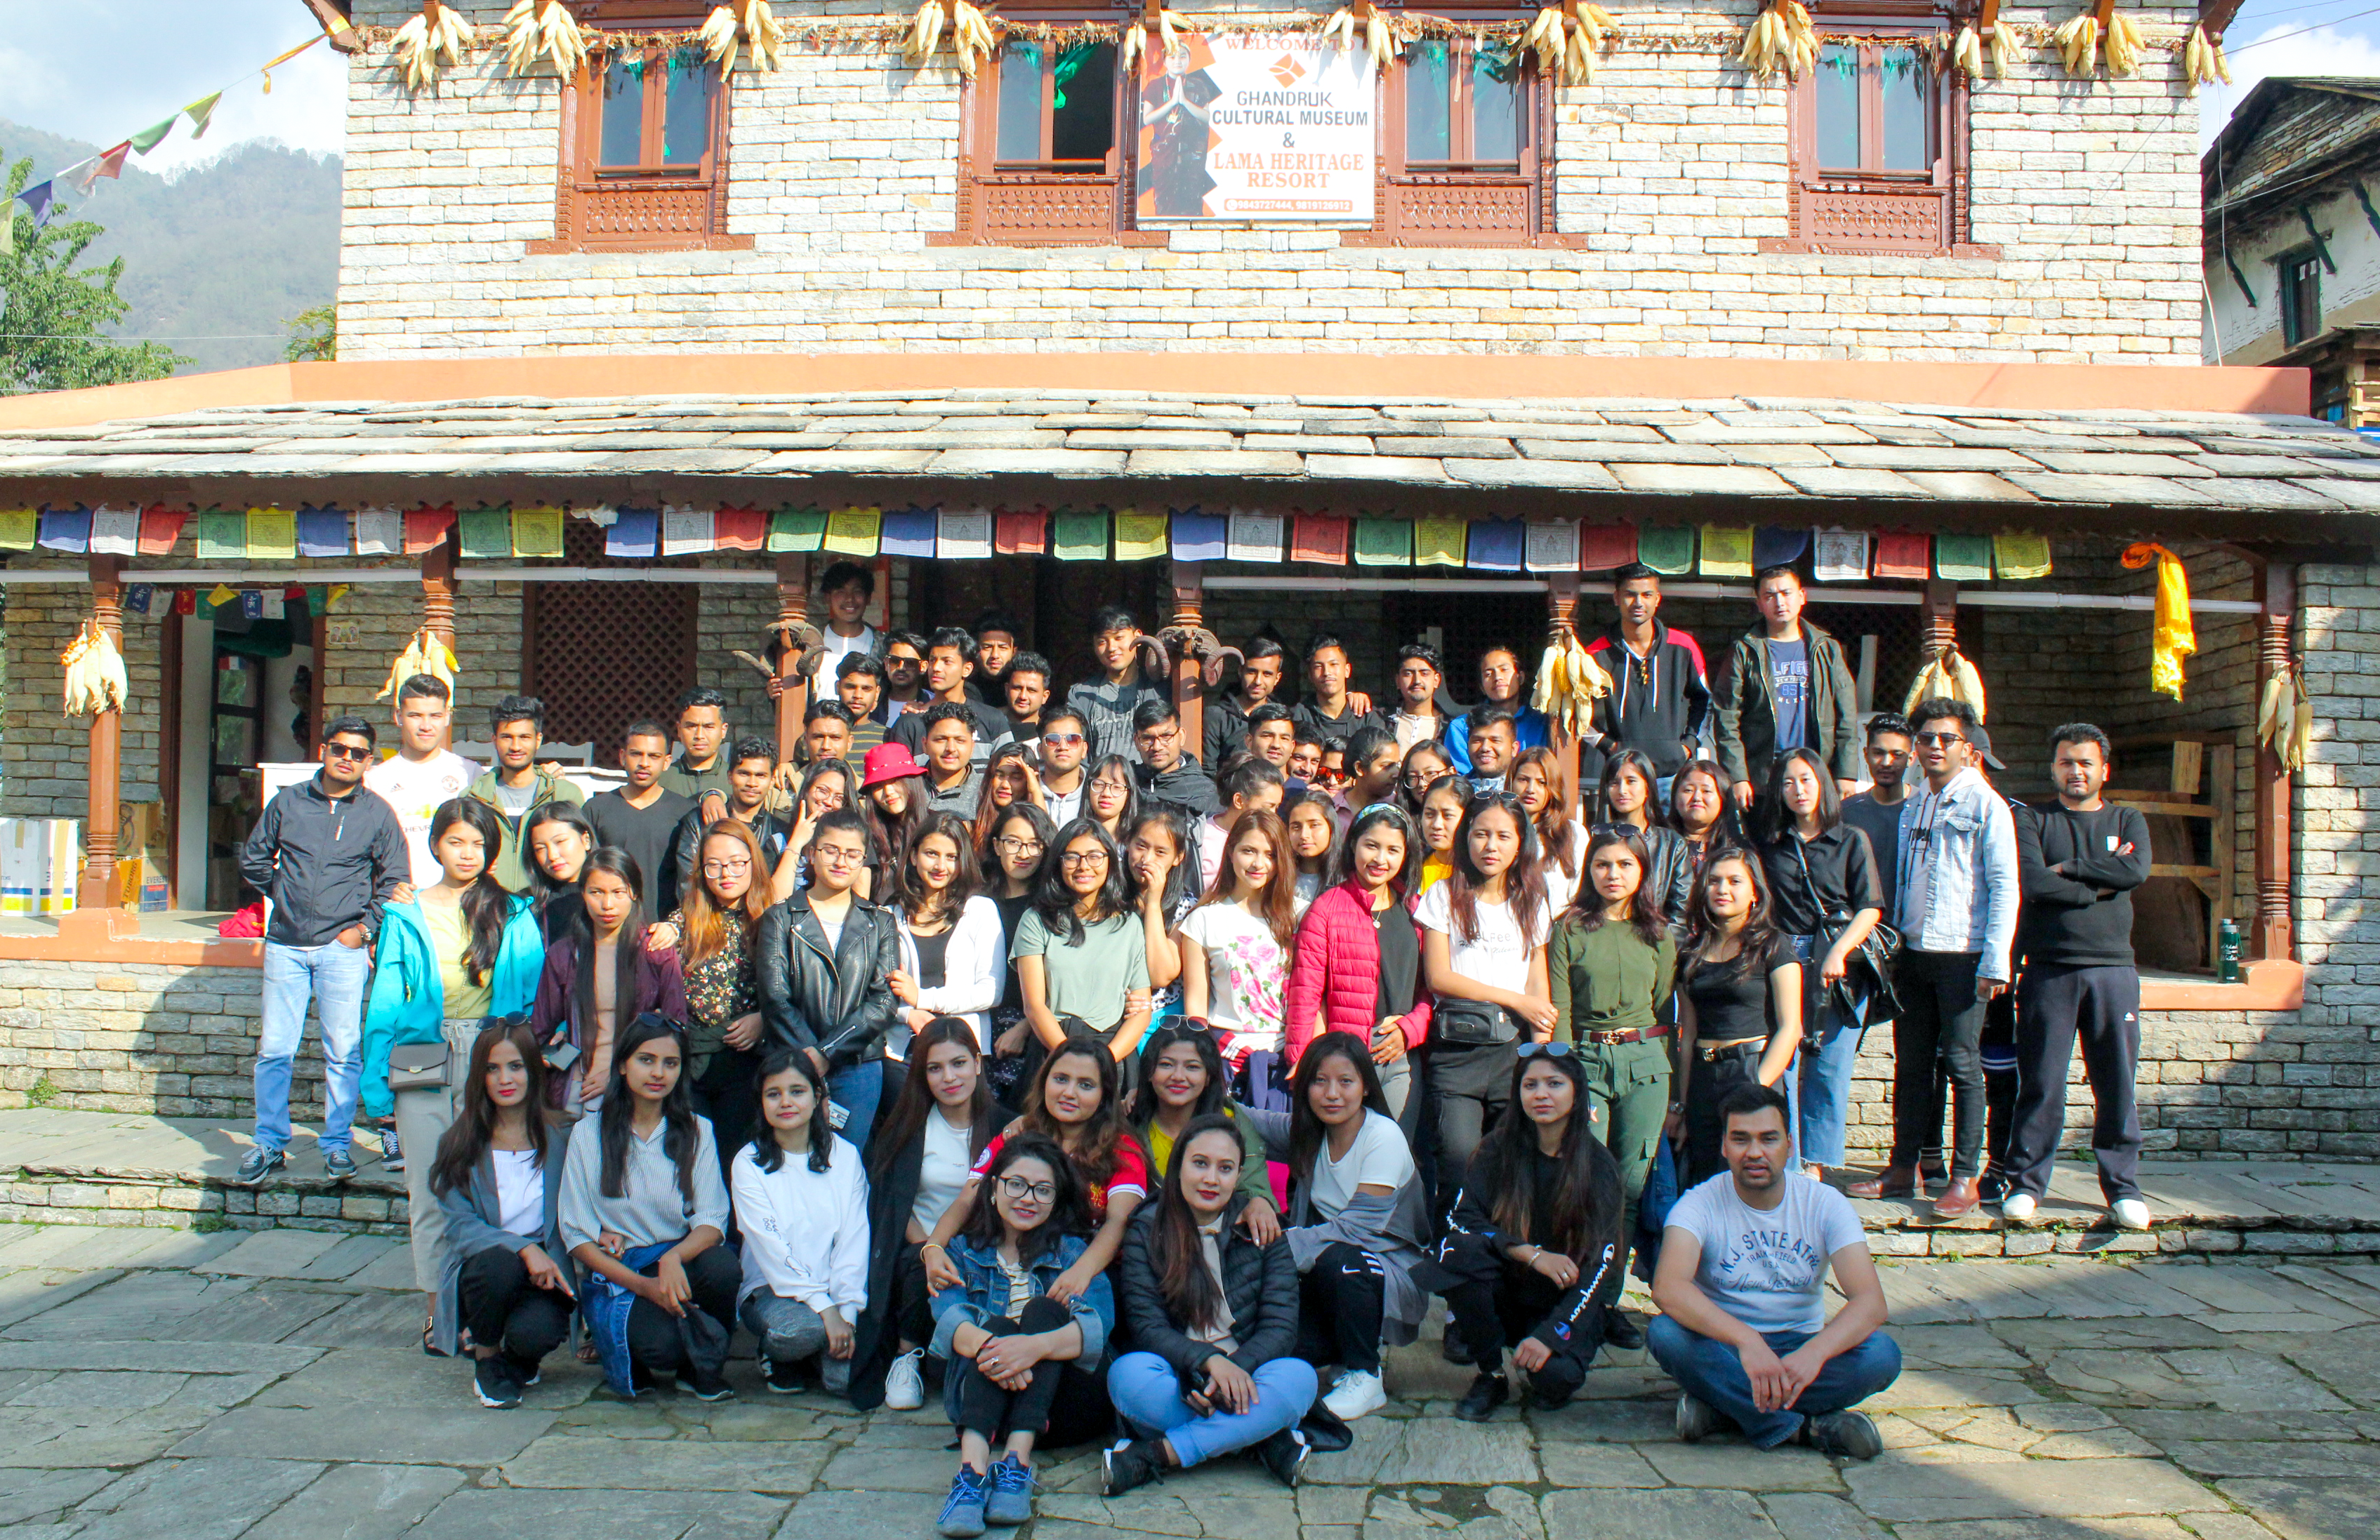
[{"x": 269, "y": 1387}]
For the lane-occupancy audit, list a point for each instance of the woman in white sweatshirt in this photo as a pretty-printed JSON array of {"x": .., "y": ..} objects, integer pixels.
[
  {"x": 801, "y": 1201},
  {"x": 953, "y": 949}
]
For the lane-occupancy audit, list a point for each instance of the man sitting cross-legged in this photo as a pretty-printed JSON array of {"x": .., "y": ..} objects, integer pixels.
[{"x": 1741, "y": 1284}]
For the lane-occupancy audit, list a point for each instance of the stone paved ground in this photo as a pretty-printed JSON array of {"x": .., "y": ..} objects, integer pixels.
[{"x": 208, "y": 1386}]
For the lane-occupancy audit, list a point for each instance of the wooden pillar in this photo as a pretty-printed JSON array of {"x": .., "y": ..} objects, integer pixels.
[
  {"x": 437, "y": 589},
  {"x": 793, "y": 604},
  {"x": 2271, "y": 934},
  {"x": 98, "y": 889},
  {"x": 1941, "y": 618},
  {"x": 1189, "y": 614},
  {"x": 1561, "y": 620}
]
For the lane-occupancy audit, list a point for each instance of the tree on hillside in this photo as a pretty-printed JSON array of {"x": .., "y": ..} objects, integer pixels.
[
  {"x": 315, "y": 335},
  {"x": 50, "y": 314}
]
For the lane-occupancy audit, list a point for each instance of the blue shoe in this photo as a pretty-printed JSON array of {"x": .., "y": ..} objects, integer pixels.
[
  {"x": 963, "y": 1514},
  {"x": 1012, "y": 1493}
]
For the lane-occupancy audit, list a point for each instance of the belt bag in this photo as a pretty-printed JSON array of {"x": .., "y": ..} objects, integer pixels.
[
  {"x": 417, "y": 1067},
  {"x": 1472, "y": 1023}
]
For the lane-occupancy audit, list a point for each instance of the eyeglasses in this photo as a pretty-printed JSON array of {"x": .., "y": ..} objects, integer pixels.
[
  {"x": 1061, "y": 739},
  {"x": 1015, "y": 846},
  {"x": 1083, "y": 858},
  {"x": 1939, "y": 740},
  {"x": 725, "y": 868},
  {"x": 1040, "y": 1192},
  {"x": 1527, "y": 1051},
  {"x": 346, "y": 751}
]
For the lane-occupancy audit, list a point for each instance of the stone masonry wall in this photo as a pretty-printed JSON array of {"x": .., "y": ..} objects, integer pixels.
[{"x": 1671, "y": 168}]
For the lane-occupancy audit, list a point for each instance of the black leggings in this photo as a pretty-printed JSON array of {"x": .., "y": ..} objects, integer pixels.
[
  {"x": 1500, "y": 1302},
  {"x": 1340, "y": 1302},
  {"x": 1063, "y": 1404},
  {"x": 503, "y": 1309},
  {"x": 653, "y": 1341},
  {"x": 910, "y": 1314}
]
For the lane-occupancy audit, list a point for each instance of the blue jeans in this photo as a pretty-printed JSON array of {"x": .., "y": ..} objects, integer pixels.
[
  {"x": 858, "y": 1089},
  {"x": 333, "y": 976},
  {"x": 1712, "y": 1372},
  {"x": 1148, "y": 1395},
  {"x": 1830, "y": 1045}
]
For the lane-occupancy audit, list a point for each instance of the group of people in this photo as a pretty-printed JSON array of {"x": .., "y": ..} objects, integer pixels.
[{"x": 1124, "y": 1096}]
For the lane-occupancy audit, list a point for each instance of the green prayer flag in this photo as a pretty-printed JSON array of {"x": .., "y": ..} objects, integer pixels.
[
  {"x": 487, "y": 534},
  {"x": 199, "y": 112},
  {"x": 1383, "y": 542},
  {"x": 796, "y": 529},
  {"x": 1669, "y": 551},
  {"x": 147, "y": 138},
  {"x": 1076, "y": 537},
  {"x": 223, "y": 535},
  {"x": 1963, "y": 558}
]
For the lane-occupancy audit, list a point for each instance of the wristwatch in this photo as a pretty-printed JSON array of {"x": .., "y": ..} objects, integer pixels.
[{"x": 1678, "y": 1108}]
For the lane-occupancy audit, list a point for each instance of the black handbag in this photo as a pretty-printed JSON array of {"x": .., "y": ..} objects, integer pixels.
[
  {"x": 1864, "y": 994},
  {"x": 1472, "y": 1023}
]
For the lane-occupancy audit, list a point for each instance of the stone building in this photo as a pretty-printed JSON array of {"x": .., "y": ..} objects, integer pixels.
[{"x": 1564, "y": 321}]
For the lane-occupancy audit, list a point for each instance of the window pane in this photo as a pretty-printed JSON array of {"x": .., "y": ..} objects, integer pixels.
[
  {"x": 1082, "y": 117},
  {"x": 1429, "y": 90},
  {"x": 1496, "y": 121},
  {"x": 1908, "y": 110},
  {"x": 623, "y": 112},
  {"x": 1019, "y": 136},
  {"x": 685, "y": 121},
  {"x": 1837, "y": 90}
]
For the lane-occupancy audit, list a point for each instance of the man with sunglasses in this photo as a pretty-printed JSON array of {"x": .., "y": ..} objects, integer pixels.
[
  {"x": 1065, "y": 745},
  {"x": 1958, "y": 912},
  {"x": 328, "y": 853}
]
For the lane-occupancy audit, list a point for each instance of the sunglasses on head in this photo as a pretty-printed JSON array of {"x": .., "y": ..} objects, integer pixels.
[{"x": 1527, "y": 1051}]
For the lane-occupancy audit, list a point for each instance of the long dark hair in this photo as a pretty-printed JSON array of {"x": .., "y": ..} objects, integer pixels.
[
  {"x": 1182, "y": 878},
  {"x": 1306, "y": 1130},
  {"x": 1759, "y": 926},
  {"x": 892, "y": 835},
  {"x": 1406, "y": 798},
  {"x": 995, "y": 875},
  {"x": 1523, "y": 894},
  {"x": 966, "y": 880},
  {"x": 1104, "y": 1135},
  {"x": 1725, "y": 829},
  {"x": 1389, "y": 814},
  {"x": 1626, "y": 760},
  {"x": 1070, "y": 1212},
  {"x": 1587, "y": 910},
  {"x": 1130, "y": 813},
  {"x": 767, "y": 1152},
  {"x": 1585, "y": 1209},
  {"x": 986, "y": 814},
  {"x": 842, "y": 769},
  {"x": 485, "y": 903},
  {"x": 541, "y": 887},
  {"x": 1558, "y": 833},
  {"x": 1773, "y": 819},
  {"x": 679, "y": 1137},
  {"x": 1216, "y": 1097},
  {"x": 898, "y": 1129},
  {"x": 1054, "y": 902},
  {"x": 620, "y": 864},
  {"x": 465, "y": 1140},
  {"x": 1193, "y": 1301}
]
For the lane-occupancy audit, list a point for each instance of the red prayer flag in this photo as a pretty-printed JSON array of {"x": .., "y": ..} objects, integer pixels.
[
  {"x": 739, "y": 528},
  {"x": 160, "y": 527},
  {"x": 426, "y": 528},
  {"x": 1021, "y": 532},
  {"x": 1905, "y": 556},
  {"x": 1603, "y": 547},
  {"x": 186, "y": 602},
  {"x": 110, "y": 165},
  {"x": 1319, "y": 538}
]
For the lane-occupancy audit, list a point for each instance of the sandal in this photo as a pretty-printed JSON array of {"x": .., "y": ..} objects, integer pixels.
[{"x": 428, "y": 1331}]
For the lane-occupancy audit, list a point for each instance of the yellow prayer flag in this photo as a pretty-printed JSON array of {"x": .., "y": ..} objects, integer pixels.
[
  {"x": 854, "y": 531},
  {"x": 338, "y": 591},
  {"x": 1138, "y": 536},
  {"x": 1438, "y": 542},
  {"x": 2174, "y": 639},
  {"x": 537, "y": 531},
  {"x": 17, "y": 529},
  {"x": 273, "y": 534},
  {"x": 2021, "y": 556},
  {"x": 1726, "y": 553},
  {"x": 222, "y": 594}
]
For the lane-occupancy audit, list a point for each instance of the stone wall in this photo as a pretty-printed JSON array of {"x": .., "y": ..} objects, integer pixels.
[{"x": 1670, "y": 169}]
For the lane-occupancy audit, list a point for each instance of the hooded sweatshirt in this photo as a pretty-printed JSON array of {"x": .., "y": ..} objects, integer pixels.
[
  {"x": 510, "y": 867},
  {"x": 1657, "y": 704}
]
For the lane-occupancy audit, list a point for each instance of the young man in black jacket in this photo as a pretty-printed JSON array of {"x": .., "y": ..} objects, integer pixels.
[
  {"x": 1785, "y": 685},
  {"x": 1659, "y": 694},
  {"x": 2078, "y": 862},
  {"x": 1165, "y": 772},
  {"x": 328, "y": 853}
]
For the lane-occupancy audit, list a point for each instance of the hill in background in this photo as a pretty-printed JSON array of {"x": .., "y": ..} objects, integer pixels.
[{"x": 235, "y": 245}]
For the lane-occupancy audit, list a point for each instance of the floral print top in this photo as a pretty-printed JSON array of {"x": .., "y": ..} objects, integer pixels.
[{"x": 721, "y": 988}]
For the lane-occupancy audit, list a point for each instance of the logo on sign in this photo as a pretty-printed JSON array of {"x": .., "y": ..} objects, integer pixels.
[{"x": 1287, "y": 71}]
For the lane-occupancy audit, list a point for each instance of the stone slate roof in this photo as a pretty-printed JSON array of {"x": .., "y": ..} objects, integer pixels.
[{"x": 1998, "y": 465}]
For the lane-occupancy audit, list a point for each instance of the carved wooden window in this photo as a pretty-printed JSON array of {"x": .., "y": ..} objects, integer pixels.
[
  {"x": 644, "y": 143},
  {"x": 1464, "y": 127},
  {"x": 1043, "y": 146}
]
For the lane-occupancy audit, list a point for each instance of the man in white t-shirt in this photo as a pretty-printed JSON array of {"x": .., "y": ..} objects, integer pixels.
[
  {"x": 1741, "y": 1284},
  {"x": 847, "y": 589},
  {"x": 425, "y": 772}
]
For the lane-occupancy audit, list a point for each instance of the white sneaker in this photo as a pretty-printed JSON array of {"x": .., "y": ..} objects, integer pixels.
[
  {"x": 2129, "y": 1214},
  {"x": 2017, "y": 1209},
  {"x": 905, "y": 1386},
  {"x": 1357, "y": 1394}
]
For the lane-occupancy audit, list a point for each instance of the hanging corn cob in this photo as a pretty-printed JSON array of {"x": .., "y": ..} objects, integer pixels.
[
  {"x": 95, "y": 680},
  {"x": 1340, "y": 31},
  {"x": 2123, "y": 41},
  {"x": 1947, "y": 674},
  {"x": 438, "y": 32},
  {"x": 542, "y": 29},
  {"x": 925, "y": 31},
  {"x": 424, "y": 652},
  {"x": 1569, "y": 684},
  {"x": 2285, "y": 722},
  {"x": 1967, "y": 53},
  {"x": 972, "y": 38},
  {"x": 1171, "y": 25},
  {"x": 1780, "y": 37},
  {"x": 745, "y": 24},
  {"x": 1378, "y": 41},
  {"x": 2004, "y": 42},
  {"x": 2078, "y": 45},
  {"x": 2202, "y": 62}
]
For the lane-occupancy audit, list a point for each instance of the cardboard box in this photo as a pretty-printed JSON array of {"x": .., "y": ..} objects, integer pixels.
[
  {"x": 140, "y": 884},
  {"x": 39, "y": 863},
  {"x": 141, "y": 830}
]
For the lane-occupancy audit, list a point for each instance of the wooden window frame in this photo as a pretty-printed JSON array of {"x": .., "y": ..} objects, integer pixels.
[
  {"x": 2288, "y": 284},
  {"x": 654, "y": 208},
  {"x": 1875, "y": 212}
]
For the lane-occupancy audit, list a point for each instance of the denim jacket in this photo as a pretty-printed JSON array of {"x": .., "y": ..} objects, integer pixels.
[
  {"x": 1959, "y": 883},
  {"x": 983, "y": 1296}
]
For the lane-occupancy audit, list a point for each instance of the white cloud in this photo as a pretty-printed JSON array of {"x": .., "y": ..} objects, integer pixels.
[{"x": 2326, "y": 50}]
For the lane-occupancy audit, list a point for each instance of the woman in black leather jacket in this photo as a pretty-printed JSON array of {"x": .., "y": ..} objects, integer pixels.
[
  {"x": 1625, "y": 802},
  {"x": 824, "y": 955}
]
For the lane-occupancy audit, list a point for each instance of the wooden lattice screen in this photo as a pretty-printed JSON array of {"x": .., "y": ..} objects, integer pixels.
[{"x": 600, "y": 654}]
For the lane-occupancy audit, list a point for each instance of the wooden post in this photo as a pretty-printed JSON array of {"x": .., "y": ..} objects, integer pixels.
[
  {"x": 793, "y": 604},
  {"x": 1189, "y": 695},
  {"x": 98, "y": 889},
  {"x": 2270, "y": 936},
  {"x": 1561, "y": 619},
  {"x": 1941, "y": 619},
  {"x": 437, "y": 589}
]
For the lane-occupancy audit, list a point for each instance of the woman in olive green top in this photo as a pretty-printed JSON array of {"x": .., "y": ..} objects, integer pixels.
[{"x": 1613, "y": 963}]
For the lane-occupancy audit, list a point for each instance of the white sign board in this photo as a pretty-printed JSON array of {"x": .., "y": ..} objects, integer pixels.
[{"x": 1257, "y": 127}]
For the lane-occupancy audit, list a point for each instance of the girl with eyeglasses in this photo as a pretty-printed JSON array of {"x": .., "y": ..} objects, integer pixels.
[
  {"x": 801, "y": 1203},
  {"x": 1181, "y": 1080},
  {"x": 825, "y": 786},
  {"x": 941, "y": 1123},
  {"x": 1424, "y": 763},
  {"x": 1739, "y": 1006},
  {"x": 1008, "y": 781},
  {"x": 1628, "y": 804},
  {"x": 1613, "y": 966},
  {"x": 1483, "y": 951},
  {"x": 1439, "y": 820},
  {"x": 953, "y": 951},
  {"x": 719, "y": 924},
  {"x": 1021, "y": 838},
  {"x": 1313, "y": 820},
  {"x": 1024, "y": 1355},
  {"x": 1110, "y": 799},
  {"x": 1235, "y": 945},
  {"x": 1081, "y": 951},
  {"x": 1536, "y": 1238},
  {"x": 1213, "y": 1316},
  {"x": 1535, "y": 778},
  {"x": 1358, "y": 966}
]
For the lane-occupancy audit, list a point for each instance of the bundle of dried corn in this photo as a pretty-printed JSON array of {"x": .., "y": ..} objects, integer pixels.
[
  {"x": 2123, "y": 42},
  {"x": 2004, "y": 43},
  {"x": 1567, "y": 44},
  {"x": 95, "y": 680},
  {"x": 2202, "y": 62},
  {"x": 1780, "y": 37},
  {"x": 1967, "y": 53},
  {"x": 1947, "y": 674},
  {"x": 542, "y": 29},
  {"x": 2285, "y": 722},
  {"x": 971, "y": 36},
  {"x": 425, "y": 652},
  {"x": 440, "y": 32},
  {"x": 2078, "y": 45},
  {"x": 1171, "y": 24},
  {"x": 745, "y": 24}
]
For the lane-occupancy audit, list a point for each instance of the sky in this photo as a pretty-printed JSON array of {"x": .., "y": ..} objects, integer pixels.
[{"x": 103, "y": 69}]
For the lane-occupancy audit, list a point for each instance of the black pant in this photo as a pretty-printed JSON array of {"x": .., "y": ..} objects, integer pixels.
[
  {"x": 1939, "y": 1016},
  {"x": 653, "y": 1341},
  {"x": 1341, "y": 1301},
  {"x": 2055, "y": 1005},
  {"x": 1468, "y": 1088},
  {"x": 729, "y": 1095},
  {"x": 1064, "y": 1404},
  {"x": 909, "y": 1315},
  {"x": 503, "y": 1309},
  {"x": 1711, "y": 1083},
  {"x": 1500, "y": 1302}
]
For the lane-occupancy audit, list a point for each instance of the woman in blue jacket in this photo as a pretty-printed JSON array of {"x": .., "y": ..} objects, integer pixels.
[{"x": 462, "y": 951}]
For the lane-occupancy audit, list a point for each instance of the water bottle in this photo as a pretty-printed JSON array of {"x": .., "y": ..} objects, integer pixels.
[{"x": 2228, "y": 948}]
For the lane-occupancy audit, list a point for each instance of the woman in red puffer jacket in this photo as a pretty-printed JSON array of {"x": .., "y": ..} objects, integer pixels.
[{"x": 1358, "y": 962}]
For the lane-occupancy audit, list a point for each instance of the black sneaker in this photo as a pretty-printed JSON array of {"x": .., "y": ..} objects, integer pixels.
[
  {"x": 1487, "y": 1393},
  {"x": 258, "y": 1164},
  {"x": 1846, "y": 1435},
  {"x": 528, "y": 1373},
  {"x": 1622, "y": 1329},
  {"x": 492, "y": 1378},
  {"x": 1454, "y": 1350},
  {"x": 709, "y": 1387},
  {"x": 339, "y": 1166},
  {"x": 1284, "y": 1455},
  {"x": 1131, "y": 1463},
  {"x": 785, "y": 1379}
]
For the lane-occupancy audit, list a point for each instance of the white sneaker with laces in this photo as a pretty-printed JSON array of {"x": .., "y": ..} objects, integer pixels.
[
  {"x": 2129, "y": 1214},
  {"x": 904, "y": 1384},
  {"x": 1358, "y": 1393},
  {"x": 2017, "y": 1209}
]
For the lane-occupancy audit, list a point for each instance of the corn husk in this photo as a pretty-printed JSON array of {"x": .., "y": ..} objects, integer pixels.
[
  {"x": 925, "y": 31},
  {"x": 1947, "y": 674},
  {"x": 95, "y": 680},
  {"x": 1967, "y": 53},
  {"x": 2004, "y": 42},
  {"x": 431, "y": 43},
  {"x": 2123, "y": 44},
  {"x": 1340, "y": 31},
  {"x": 424, "y": 652},
  {"x": 2285, "y": 721},
  {"x": 538, "y": 29},
  {"x": 1780, "y": 40},
  {"x": 2078, "y": 45},
  {"x": 2202, "y": 62},
  {"x": 1569, "y": 684}
]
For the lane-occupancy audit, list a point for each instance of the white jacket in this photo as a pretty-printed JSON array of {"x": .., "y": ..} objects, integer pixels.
[
  {"x": 975, "y": 966},
  {"x": 804, "y": 1232}
]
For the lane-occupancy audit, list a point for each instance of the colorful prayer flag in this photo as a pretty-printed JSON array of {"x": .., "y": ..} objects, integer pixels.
[
  {"x": 199, "y": 112},
  {"x": 1842, "y": 556},
  {"x": 1496, "y": 545},
  {"x": 251, "y": 605},
  {"x": 1256, "y": 536},
  {"x": 1727, "y": 552},
  {"x": 1139, "y": 537},
  {"x": 963, "y": 535},
  {"x": 137, "y": 597},
  {"x": 636, "y": 532},
  {"x": 1775, "y": 546},
  {"x": 66, "y": 529},
  {"x": 426, "y": 528},
  {"x": 2174, "y": 637},
  {"x": 537, "y": 533},
  {"x": 272, "y": 605},
  {"x": 797, "y": 530},
  {"x": 273, "y": 534},
  {"x": 1200, "y": 537},
  {"x": 1905, "y": 557},
  {"x": 1079, "y": 536},
  {"x": 39, "y": 199},
  {"x": 114, "y": 529},
  {"x": 148, "y": 139},
  {"x": 485, "y": 534},
  {"x": 1668, "y": 550},
  {"x": 17, "y": 529},
  {"x": 909, "y": 532},
  {"x": 380, "y": 531},
  {"x": 1383, "y": 542},
  {"x": 1550, "y": 547},
  {"x": 109, "y": 164},
  {"x": 854, "y": 531},
  {"x": 1963, "y": 558},
  {"x": 2021, "y": 557},
  {"x": 1438, "y": 542},
  {"x": 733, "y": 528},
  {"x": 186, "y": 602},
  {"x": 222, "y": 594},
  {"x": 1321, "y": 538},
  {"x": 1021, "y": 532},
  {"x": 1604, "y": 547},
  {"x": 321, "y": 531},
  {"x": 687, "y": 531},
  {"x": 223, "y": 535}
]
